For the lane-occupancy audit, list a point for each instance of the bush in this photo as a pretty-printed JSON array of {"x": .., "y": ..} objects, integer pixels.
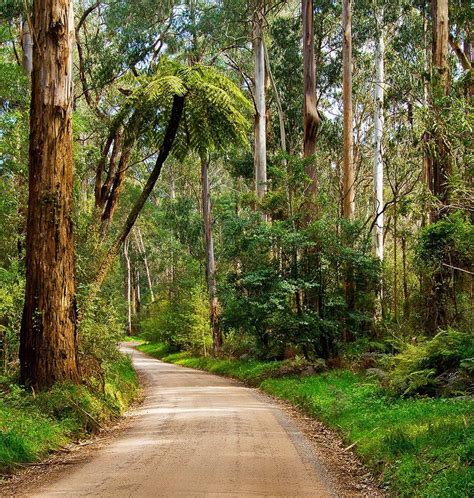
[
  {"x": 182, "y": 320},
  {"x": 442, "y": 365}
]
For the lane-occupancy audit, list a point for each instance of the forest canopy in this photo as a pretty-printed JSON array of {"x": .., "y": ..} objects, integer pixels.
[{"x": 313, "y": 171}]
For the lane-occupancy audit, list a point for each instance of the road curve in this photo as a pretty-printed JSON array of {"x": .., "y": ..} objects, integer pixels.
[{"x": 197, "y": 434}]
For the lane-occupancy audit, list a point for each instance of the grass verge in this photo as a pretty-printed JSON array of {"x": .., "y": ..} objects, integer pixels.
[
  {"x": 32, "y": 426},
  {"x": 418, "y": 446}
]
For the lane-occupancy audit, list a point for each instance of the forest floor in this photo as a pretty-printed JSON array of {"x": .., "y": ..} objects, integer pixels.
[{"x": 199, "y": 434}]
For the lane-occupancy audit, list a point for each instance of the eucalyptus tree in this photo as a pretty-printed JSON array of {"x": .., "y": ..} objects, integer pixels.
[
  {"x": 48, "y": 336},
  {"x": 348, "y": 158},
  {"x": 311, "y": 115},
  {"x": 260, "y": 135},
  {"x": 378, "y": 136},
  {"x": 440, "y": 164}
]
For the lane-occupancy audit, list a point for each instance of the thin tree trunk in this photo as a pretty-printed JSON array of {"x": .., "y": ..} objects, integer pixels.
[
  {"x": 348, "y": 209},
  {"x": 281, "y": 116},
  {"x": 260, "y": 153},
  {"x": 348, "y": 163},
  {"x": 395, "y": 269},
  {"x": 440, "y": 163},
  {"x": 406, "y": 304},
  {"x": 48, "y": 336},
  {"x": 426, "y": 171},
  {"x": 107, "y": 260},
  {"x": 311, "y": 115},
  {"x": 27, "y": 46},
  {"x": 136, "y": 299},
  {"x": 210, "y": 260},
  {"x": 128, "y": 286},
  {"x": 378, "y": 141},
  {"x": 141, "y": 250}
]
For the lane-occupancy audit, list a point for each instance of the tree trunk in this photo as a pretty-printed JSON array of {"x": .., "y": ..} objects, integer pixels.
[
  {"x": 116, "y": 189},
  {"x": 311, "y": 115},
  {"x": 440, "y": 163},
  {"x": 378, "y": 141},
  {"x": 426, "y": 165},
  {"x": 136, "y": 299},
  {"x": 348, "y": 210},
  {"x": 128, "y": 287},
  {"x": 281, "y": 116},
  {"x": 141, "y": 250},
  {"x": 395, "y": 256},
  {"x": 210, "y": 261},
  {"x": 260, "y": 153},
  {"x": 27, "y": 45},
  {"x": 107, "y": 260},
  {"x": 48, "y": 336},
  {"x": 406, "y": 304},
  {"x": 348, "y": 164}
]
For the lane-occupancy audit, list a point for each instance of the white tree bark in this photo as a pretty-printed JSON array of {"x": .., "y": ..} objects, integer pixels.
[
  {"x": 210, "y": 259},
  {"x": 128, "y": 287},
  {"x": 27, "y": 46},
  {"x": 260, "y": 153},
  {"x": 141, "y": 249},
  {"x": 378, "y": 142}
]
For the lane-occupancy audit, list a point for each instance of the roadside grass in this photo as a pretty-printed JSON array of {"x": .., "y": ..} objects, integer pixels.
[
  {"x": 132, "y": 338},
  {"x": 31, "y": 426},
  {"x": 418, "y": 446}
]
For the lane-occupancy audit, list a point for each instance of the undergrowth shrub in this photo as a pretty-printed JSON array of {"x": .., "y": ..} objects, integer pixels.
[
  {"x": 181, "y": 320},
  {"x": 441, "y": 365}
]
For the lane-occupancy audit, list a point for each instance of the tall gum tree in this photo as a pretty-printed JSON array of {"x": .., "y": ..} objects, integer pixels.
[
  {"x": 348, "y": 208},
  {"x": 378, "y": 138},
  {"x": 440, "y": 162},
  {"x": 260, "y": 151},
  {"x": 48, "y": 338},
  {"x": 210, "y": 259},
  {"x": 311, "y": 115}
]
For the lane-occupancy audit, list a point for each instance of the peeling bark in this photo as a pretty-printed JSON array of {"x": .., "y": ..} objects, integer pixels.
[
  {"x": 48, "y": 336},
  {"x": 260, "y": 152}
]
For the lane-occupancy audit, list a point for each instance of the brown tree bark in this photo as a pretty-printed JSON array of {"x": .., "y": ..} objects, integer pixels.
[
  {"x": 348, "y": 162},
  {"x": 210, "y": 260},
  {"x": 48, "y": 337},
  {"x": 170, "y": 134},
  {"x": 440, "y": 162}
]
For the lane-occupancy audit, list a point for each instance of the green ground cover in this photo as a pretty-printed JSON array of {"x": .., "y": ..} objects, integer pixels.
[{"x": 33, "y": 425}]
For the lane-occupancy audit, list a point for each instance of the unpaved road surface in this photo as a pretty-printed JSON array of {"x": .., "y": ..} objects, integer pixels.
[{"x": 197, "y": 434}]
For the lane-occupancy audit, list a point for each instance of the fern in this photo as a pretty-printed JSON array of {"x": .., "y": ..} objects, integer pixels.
[{"x": 215, "y": 115}]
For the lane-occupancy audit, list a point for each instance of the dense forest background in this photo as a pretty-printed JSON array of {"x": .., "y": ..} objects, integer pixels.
[
  {"x": 320, "y": 232},
  {"x": 251, "y": 181}
]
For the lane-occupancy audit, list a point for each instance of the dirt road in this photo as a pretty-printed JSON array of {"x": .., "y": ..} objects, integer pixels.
[{"x": 197, "y": 434}]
